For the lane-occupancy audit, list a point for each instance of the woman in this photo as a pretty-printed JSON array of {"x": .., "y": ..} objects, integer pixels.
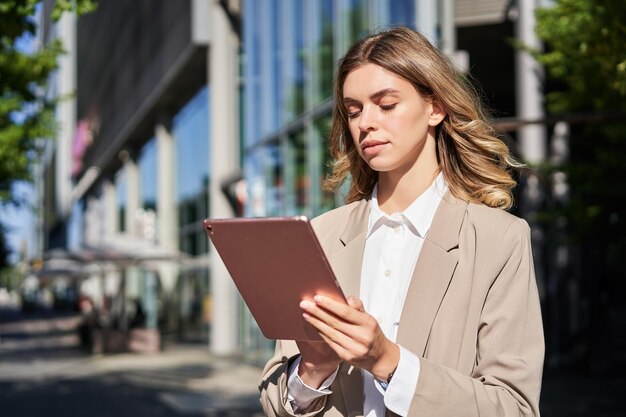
[{"x": 447, "y": 321}]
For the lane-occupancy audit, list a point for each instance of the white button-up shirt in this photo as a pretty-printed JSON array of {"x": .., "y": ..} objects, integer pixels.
[{"x": 392, "y": 246}]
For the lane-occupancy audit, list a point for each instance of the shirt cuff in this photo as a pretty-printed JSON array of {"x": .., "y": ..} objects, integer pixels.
[
  {"x": 401, "y": 389},
  {"x": 300, "y": 394}
]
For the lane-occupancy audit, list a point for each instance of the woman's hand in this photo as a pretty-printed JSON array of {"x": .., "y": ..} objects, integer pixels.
[{"x": 352, "y": 334}]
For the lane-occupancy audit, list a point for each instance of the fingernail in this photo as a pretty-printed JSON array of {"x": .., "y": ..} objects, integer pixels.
[
  {"x": 318, "y": 298},
  {"x": 306, "y": 316},
  {"x": 305, "y": 304}
]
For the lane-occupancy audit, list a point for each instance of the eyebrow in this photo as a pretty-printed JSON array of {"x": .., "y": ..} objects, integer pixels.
[{"x": 376, "y": 95}]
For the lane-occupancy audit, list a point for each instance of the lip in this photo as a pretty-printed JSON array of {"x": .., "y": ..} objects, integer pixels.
[{"x": 371, "y": 147}]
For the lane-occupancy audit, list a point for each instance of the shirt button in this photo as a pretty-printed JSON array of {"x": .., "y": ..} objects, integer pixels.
[{"x": 387, "y": 272}]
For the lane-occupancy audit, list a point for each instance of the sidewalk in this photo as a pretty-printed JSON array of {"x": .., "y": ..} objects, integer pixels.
[
  {"x": 44, "y": 373},
  {"x": 191, "y": 381}
]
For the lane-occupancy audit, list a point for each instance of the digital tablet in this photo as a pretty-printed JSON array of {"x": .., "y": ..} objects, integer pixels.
[{"x": 275, "y": 262}]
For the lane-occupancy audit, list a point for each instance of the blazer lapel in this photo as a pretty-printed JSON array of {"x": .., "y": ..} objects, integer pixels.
[
  {"x": 346, "y": 261},
  {"x": 431, "y": 277},
  {"x": 348, "y": 255}
]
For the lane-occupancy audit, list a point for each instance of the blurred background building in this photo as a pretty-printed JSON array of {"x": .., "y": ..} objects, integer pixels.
[
  {"x": 129, "y": 175},
  {"x": 176, "y": 111}
]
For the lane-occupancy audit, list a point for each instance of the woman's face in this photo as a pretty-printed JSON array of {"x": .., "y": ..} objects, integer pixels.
[{"x": 390, "y": 122}]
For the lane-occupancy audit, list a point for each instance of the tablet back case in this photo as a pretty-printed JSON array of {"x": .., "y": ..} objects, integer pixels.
[{"x": 275, "y": 263}]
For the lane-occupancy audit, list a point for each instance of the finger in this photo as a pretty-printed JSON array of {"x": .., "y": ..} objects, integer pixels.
[
  {"x": 347, "y": 312},
  {"x": 337, "y": 340},
  {"x": 327, "y": 317},
  {"x": 355, "y": 303},
  {"x": 346, "y": 347},
  {"x": 337, "y": 348},
  {"x": 351, "y": 335},
  {"x": 352, "y": 319}
]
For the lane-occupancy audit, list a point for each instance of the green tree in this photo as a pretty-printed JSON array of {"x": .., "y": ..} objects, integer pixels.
[
  {"x": 586, "y": 57},
  {"x": 25, "y": 113},
  {"x": 586, "y": 53},
  {"x": 585, "y": 60}
]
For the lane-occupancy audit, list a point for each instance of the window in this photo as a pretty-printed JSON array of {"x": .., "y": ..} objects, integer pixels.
[{"x": 191, "y": 133}]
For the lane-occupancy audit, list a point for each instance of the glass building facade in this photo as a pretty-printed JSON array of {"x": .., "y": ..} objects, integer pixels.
[
  {"x": 290, "y": 52},
  {"x": 291, "y": 47},
  {"x": 121, "y": 192},
  {"x": 148, "y": 175},
  {"x": 190, "y": 128},
  {"x": 184, "y": 313}
]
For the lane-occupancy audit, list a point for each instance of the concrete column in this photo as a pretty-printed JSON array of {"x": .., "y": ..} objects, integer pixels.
[
  {"x": 167, "y": 225},
  {"x": 426, "y": 19},
  {"x": 447, "y": 39},
  {"x": 531, "y": 138},
  {"x": 40, "y": 186},
  {"x": 131, "y": 171},
  {"x": 93, "y": 222},
  {"x": 129, "y": 284},
  {"x": 224, "y": 154},
  {"x": 529, "y": 88},
  {"x": 66, "y": 114},
  {"x": 111, "y": 214},
  {"x": 448, "y": 28},
  {"x": 166, "y": 202}
]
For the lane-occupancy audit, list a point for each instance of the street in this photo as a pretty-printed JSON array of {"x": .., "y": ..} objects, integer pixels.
[{"x": 43, "y": 372}]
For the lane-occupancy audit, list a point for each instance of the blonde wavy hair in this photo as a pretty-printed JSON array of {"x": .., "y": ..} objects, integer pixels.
[{"x": 476, "y": 164}]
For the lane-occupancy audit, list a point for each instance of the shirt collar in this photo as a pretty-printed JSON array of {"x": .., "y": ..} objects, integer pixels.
[{"x": 417, "y": 217}]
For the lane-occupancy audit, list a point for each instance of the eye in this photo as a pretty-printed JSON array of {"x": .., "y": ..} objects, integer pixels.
[
  {"x": 387, "y": 107},
  {"x": 353, "y": 111}
]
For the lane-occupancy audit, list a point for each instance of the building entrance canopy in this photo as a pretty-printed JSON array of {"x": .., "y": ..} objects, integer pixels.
[{"x": 113, "y": 254}]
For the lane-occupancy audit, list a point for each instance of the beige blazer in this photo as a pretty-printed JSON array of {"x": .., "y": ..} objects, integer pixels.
[{"x": 471, "y": 314}]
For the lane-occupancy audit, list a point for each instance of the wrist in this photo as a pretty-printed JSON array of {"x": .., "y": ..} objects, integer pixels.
[
  {"x": 391, "y": 375},
  {"x": 387, "y": 364}
]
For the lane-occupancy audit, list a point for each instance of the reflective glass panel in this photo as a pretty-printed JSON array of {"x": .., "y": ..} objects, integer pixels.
[
  {"x": 121, "y": 191},
  {"x": 358, "y": 18},
  {"x": 147, "y": 163},
  {"x": 322, "y": 129},
  {"x": 191, "y": 133},
  {"x": 300, "y": 181},
  {"x": 274, "y": 180},
  {"x": 325, "y": 49},
  {"x": 402, "y": 12},
  {"x": 298, "y": 86}
]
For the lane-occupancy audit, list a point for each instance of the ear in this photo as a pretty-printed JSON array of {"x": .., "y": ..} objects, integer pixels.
[{"x": 437, "y": 113}]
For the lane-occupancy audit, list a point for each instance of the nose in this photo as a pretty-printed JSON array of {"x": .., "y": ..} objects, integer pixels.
[{"x": 367, "y": 122}]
